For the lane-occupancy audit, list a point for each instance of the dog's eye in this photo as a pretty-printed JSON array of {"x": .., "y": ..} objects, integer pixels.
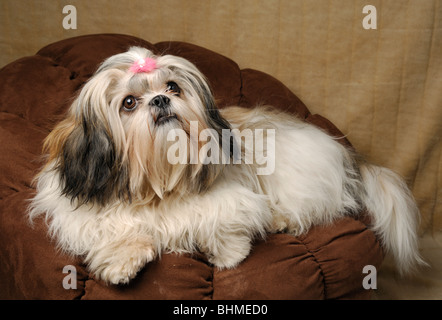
[
  {"x": 173, "y": 88},
  {"x": 130, "y": 103}
]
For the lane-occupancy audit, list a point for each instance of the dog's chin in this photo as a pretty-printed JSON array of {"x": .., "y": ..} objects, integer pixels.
[
  {"x": 161, "y": 120},
  {"x": 163, "y": 117}
]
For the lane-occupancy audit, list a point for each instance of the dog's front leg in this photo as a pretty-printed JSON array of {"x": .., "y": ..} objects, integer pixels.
[
  {"x": 227, "y": 250},
  {"x": 231, "y": 217},
  {"x": 118, "y": 262}
]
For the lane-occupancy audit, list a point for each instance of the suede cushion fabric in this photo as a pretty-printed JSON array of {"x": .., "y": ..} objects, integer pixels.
[{"x": 35, "y": 91}]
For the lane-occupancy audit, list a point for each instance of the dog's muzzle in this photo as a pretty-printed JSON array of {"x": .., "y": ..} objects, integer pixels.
[{"x": 162, "y": 106}]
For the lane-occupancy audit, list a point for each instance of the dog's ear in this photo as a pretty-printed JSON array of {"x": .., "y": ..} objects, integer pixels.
[
  {"x": 90, "y": 168},
  {"x": 216, "y": 121},
  {"x": 205, "y": 93}
]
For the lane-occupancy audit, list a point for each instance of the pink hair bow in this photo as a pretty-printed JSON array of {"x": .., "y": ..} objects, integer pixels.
[{"x": 144, "y": 65}]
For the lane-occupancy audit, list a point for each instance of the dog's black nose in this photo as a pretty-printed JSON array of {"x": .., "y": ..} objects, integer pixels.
[{"x": 159, "y": 101}]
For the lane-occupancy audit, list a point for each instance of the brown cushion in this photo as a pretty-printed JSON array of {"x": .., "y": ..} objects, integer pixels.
[{"x": 35, "y": 91}]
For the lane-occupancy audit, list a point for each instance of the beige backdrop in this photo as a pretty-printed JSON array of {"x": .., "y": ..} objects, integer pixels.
[{"x": 381, "y": 87}]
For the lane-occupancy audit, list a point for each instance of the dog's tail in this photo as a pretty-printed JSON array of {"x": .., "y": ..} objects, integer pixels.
[{"x": 395, "y": 216}]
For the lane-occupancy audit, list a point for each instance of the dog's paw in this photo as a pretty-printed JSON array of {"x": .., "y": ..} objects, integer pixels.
[
  {"x": 225, "y": 263},
  {"x": 278, "y": 226},
  {"x": 230, "y": 257},
  {"x": 282, "y": 224},
  {"x": 121, "y": 271},
  {"x": 122, "y": 265}
]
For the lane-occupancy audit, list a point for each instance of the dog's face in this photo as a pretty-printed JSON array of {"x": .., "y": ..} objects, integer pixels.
[{"x": 114, "y": 141}]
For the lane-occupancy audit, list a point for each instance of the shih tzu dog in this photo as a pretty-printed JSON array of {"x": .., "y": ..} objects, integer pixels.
[{"x": 145, "y": 163}]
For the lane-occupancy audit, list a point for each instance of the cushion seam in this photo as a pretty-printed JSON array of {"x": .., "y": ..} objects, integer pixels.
[
  {"x": 83, "y": 291},
  {"x": 324, "y": 284}
]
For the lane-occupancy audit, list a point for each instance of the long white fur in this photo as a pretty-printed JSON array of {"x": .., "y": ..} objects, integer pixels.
[{"x": 316, "y": 181}]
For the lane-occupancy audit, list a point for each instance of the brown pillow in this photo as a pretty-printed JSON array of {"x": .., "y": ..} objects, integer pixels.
[{"x": 35, "y": 91}]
